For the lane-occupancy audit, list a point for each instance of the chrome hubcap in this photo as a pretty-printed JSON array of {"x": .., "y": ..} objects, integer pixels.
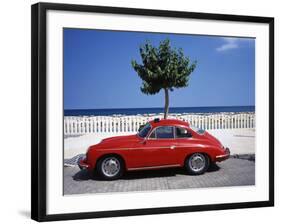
[
  {"x": 110, "y": 166},
  {"x": 197, "y": 162}
]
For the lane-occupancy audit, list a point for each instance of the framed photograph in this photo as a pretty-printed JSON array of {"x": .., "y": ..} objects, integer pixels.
[{"x": 140, "y": 111}]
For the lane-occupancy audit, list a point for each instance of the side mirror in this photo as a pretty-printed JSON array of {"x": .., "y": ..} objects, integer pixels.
[{"x": 143, "y": 141}]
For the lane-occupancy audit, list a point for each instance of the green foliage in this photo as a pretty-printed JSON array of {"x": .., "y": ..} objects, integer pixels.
[{"x": 163, "y": 67}]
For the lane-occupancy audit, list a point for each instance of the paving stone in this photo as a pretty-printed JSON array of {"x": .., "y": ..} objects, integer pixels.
[{"x": 232, "y": 172}]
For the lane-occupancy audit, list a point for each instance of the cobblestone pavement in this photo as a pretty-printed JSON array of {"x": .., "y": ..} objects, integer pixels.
[{"x": 232, "y": 172}]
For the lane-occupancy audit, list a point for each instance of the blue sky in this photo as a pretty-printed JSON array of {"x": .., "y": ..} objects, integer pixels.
[{"x": 98, "y": 72}]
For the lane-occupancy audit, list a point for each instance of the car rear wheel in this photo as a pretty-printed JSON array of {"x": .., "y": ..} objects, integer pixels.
[
  {"x": 197, "y": 163},
  {"x": 110, "y": 167}
]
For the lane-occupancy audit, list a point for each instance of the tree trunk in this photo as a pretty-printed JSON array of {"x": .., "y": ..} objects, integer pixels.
[{"x": 166, "y": 109}]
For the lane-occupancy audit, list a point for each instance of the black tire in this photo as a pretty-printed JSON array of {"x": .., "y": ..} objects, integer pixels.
[
  {"x": 110, "y": 167},
  {"x": 197, "y": 163}
]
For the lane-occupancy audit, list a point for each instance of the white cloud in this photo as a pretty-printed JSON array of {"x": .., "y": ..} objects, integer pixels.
[{"x": 229, "y": 43}]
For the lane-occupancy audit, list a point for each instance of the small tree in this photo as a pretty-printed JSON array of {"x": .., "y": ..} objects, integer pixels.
[{"x": 163, "y": 68}]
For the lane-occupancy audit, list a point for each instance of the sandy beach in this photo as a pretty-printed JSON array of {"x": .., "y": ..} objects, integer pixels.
[{"x": 240, "y": 141}]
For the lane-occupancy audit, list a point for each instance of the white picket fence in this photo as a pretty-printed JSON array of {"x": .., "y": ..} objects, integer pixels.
[{"x": 77, "y": 125}]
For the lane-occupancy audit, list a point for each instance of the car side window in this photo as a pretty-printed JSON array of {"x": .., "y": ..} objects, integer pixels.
[
  {"x": 152, "y": 135},
  {"x": 164, "y": 132},
  {"x": 182, "y": 133}
]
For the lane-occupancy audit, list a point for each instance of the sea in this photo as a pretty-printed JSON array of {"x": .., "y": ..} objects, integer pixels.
[{"x": 156, "y": 110}]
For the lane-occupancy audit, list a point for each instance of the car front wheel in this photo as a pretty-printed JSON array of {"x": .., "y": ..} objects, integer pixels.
[
  {"x": 197, "y": 163},
  {"x": 110, "y": 167}
]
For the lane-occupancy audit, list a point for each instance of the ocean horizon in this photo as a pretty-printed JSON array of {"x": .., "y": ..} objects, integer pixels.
[{"x": 156, "y": 110}]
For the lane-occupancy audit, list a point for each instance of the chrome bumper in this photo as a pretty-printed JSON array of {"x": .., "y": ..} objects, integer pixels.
[
  {"x": 223, "y": 157},
  {"x": 82, "y": 164}
]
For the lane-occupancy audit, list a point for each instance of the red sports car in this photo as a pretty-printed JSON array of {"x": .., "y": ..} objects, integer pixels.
[{"x": 159, "y": 144}]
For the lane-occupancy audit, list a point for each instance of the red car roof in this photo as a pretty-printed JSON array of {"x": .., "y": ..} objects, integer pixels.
[{"x": 166, "y": 122}]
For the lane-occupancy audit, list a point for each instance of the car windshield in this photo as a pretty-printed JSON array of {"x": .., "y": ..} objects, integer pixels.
[
  {"x": 144, "y": 131},
  {"x": 198, "y": 130}
]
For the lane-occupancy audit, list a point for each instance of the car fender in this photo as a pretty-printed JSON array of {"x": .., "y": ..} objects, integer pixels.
[{"x": 207, "y": 151}]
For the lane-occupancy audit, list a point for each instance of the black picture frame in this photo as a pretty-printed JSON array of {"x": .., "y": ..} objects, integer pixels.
[{"x": 39, "y": 115}]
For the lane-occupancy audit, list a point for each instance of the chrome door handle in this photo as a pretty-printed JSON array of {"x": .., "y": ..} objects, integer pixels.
[{"x": 173, "y": 147}]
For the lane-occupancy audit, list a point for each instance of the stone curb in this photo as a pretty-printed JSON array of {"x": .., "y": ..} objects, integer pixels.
[{"x": 250, "y": 157}]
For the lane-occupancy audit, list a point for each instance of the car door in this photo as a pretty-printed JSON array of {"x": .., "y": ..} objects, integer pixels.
[{"x": 160, "y": 147}]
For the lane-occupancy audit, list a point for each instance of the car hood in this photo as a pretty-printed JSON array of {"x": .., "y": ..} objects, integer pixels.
[{"x": 119, "y": 140}]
